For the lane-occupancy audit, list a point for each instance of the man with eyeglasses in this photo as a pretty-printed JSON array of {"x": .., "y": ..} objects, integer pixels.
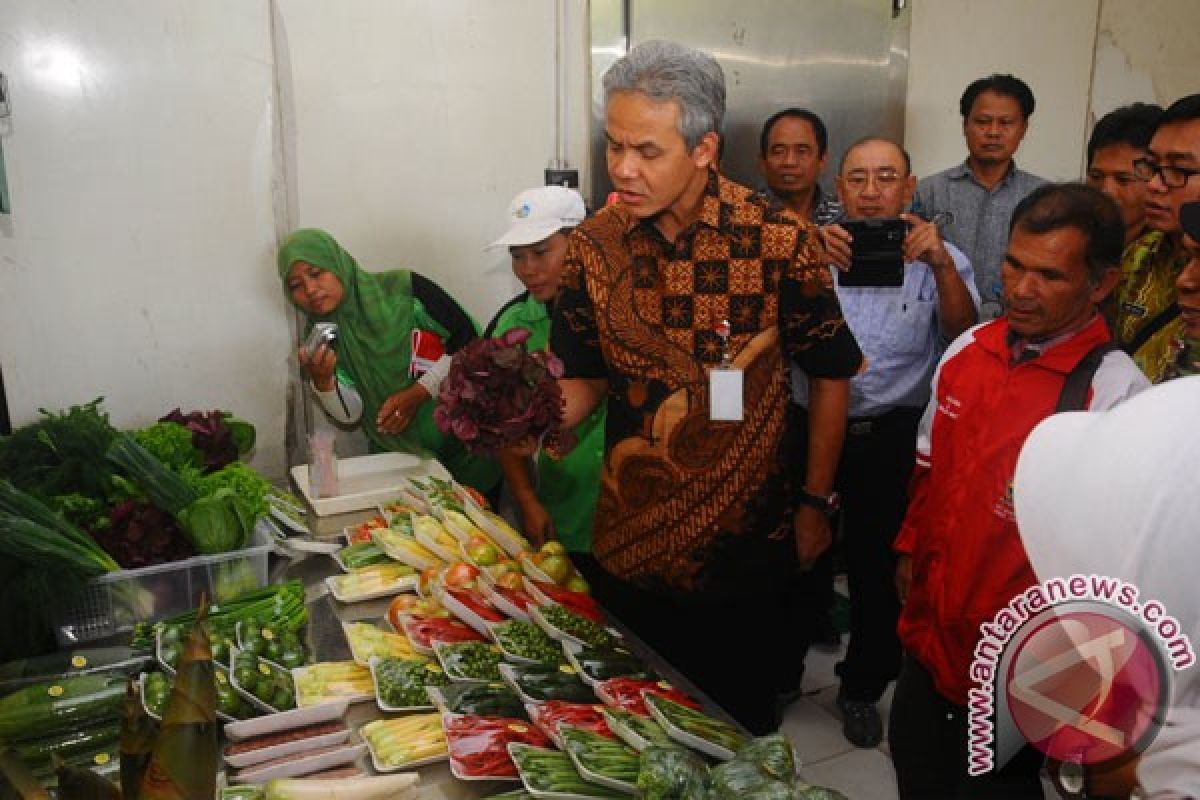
[
  {"x": 1147, "y": 314},
  {"x": 982, "y": 191},
  {"x": 902, "y": 332}
]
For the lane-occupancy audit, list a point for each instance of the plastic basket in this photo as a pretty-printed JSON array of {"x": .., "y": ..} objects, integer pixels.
[{"x": 115, "y": 602}]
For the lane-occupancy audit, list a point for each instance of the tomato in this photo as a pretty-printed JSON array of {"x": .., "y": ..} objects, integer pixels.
[{"x": 460, "y": 574}]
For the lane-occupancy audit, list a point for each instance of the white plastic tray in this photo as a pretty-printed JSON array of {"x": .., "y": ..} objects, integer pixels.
[
  {"x": 302, "y": 766},
  {"x": 683, "y": 737},
  {"x": 286, "y": 720},
  {"x": 497, "y": 598},
  {"x": 395, "y": 709},
  {"x": 366, "y": 481},
  {"x": 383, "y": 767},
  {"x": 403, "y": 584},
  {"x": 252, "y": 757}
]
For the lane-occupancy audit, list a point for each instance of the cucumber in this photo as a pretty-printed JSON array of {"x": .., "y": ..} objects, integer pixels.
[
  {"x": 70, "y": 743},
  {"x": 46, "y": 708}
]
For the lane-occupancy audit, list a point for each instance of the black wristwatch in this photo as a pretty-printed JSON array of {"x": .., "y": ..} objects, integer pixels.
[{"x": 827, "y": 505}]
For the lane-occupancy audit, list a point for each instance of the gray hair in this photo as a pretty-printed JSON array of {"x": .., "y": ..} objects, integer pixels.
[{"x": 668, "y": 71}]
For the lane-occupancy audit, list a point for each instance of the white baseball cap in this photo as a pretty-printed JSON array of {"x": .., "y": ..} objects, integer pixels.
[{"x": 536, "y": 214}]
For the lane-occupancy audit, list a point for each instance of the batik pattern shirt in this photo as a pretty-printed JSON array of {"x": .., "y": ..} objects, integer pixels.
[
  {"x": 686, "y": 503},
  {"x": 1148, "y": 272}
]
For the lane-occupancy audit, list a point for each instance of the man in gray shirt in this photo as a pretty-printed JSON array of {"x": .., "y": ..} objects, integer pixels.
[{"x": 982, "y": 192}]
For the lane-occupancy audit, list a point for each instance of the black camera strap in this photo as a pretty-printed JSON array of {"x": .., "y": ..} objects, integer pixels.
[
  {"x": 1073, "y": 396},
  {"x": 1159, "y": 321}
]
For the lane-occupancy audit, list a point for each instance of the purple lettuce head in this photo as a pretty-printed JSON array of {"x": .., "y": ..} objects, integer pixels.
[{"x": 497, "y": 394}]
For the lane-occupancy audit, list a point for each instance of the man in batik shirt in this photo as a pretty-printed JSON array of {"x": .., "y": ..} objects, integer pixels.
[
  {"x": 699, "y": 522},
  {"x": 1148, "y": 323}
]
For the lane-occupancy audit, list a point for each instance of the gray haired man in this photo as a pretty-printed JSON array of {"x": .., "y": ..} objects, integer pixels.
[{"x": 683, "y": 303}]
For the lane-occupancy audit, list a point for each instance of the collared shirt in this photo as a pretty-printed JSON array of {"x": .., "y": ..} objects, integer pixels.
[
  {"x": 898, "y": 331},
  {"x": 1148, "y": 272},
  {"x": 981, "y": 217},
  {"x": 688, "y": 504}
]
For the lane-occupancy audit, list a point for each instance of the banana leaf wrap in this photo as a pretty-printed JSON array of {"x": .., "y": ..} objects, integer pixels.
[{"x": 183, "y": 764}]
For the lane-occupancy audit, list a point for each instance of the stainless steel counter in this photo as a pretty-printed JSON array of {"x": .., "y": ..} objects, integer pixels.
[{"x": 328, "y": 643}]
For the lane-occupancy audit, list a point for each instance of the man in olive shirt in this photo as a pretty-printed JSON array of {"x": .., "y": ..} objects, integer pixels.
[
  {"x": 1148, "y": 323},
  {"x": 982, "y": 192}
]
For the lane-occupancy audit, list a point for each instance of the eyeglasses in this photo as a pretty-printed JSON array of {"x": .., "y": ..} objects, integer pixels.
[
  {"x": 885, "y": 179},
  {"x": 1172, "y": 177}
]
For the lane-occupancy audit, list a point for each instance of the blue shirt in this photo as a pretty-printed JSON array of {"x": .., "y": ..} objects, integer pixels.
[
  {"x": 981, "y": 217},
  {"x": 897, "y": 330}
]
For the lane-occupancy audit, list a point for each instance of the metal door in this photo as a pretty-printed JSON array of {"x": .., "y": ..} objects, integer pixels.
[{"x": 845, "y": 60}]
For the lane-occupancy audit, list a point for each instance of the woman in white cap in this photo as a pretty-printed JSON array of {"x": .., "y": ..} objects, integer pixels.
[
  {"x": 1115, "y": 494},
  {"x": 564, "y": 500}
]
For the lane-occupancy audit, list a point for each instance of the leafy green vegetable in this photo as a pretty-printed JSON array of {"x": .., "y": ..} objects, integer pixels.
[
  {"x": 218, "y": 523},
  {"x": 62, "y": 453},
  {"x": 170, "y": 443},
  {"x": 163, "y": 487},
  {"x": 243, "y": 434},
  {"x": 250, "y": 487},
  {"x": 670, "y": 772}
]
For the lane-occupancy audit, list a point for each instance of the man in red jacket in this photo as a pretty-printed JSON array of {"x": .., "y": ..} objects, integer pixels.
[{"x": 960, "y": 555}]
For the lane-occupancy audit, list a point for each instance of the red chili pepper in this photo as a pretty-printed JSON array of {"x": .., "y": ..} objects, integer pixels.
[
  {"x": 517, "y": 597},
  {"x": 582, "y": 604},
  {"x": 424, "y": 630},
  {"x": 626, "y": 693},
  {"x": 478, "y": 746},
  {"x": 477, "y": 603},
  {"x": 550, "y": 714}
]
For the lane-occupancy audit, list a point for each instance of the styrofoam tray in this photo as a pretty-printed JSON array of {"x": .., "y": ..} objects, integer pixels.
[
  {"x": 366, "y": 481},
  {"x": 252, "y": 757},
  {"x": 358, "y": 657},
  {"x": 595, "y": 777},
  {"x": 465, "y": 613},
  {"x": 286, "y": 523},
  {"x": 247, "y": 695},
  {"x": 502, "y": 603},
  {"x": 286, "y": 720},
  {"x": 535, "y": 614},
  {"x": 601, "y": 792},
  {"x": 382, "y": 767},
  {"x": 303, "y": 766},
  {"x": 405, "y": 583},
  {"x": 395, "y": 709},
  {"x": 693, "y": 741},
  {"x": 297, "y": 678},
  {"x": 439, "y": 649}
]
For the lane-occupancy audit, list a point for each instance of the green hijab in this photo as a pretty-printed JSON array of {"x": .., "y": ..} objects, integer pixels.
[{"x": 375, "y": 321}]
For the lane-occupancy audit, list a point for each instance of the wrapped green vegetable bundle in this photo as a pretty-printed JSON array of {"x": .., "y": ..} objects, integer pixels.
[{"x": 670, "y": 772}]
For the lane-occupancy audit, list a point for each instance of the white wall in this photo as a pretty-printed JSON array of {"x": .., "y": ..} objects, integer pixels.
[
  {"x": 1145, "y": 51},
  {"x": 415, "y": 122},
  {"x": 1049, "y": 45},
  {"x": 136, "y": 261}
]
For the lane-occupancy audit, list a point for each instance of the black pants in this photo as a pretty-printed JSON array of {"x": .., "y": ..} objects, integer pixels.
[
  {"x": 927, "y": 735},
  {"x": 873, "y": 477},
  {"x": 730, "y": 648}
]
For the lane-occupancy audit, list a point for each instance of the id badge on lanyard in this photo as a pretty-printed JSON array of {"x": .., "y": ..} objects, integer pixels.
[{"x": 725, "y": 383}]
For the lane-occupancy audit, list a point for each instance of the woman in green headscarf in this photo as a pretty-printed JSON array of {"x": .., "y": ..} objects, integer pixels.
[{"x": 367, "y": 376}]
